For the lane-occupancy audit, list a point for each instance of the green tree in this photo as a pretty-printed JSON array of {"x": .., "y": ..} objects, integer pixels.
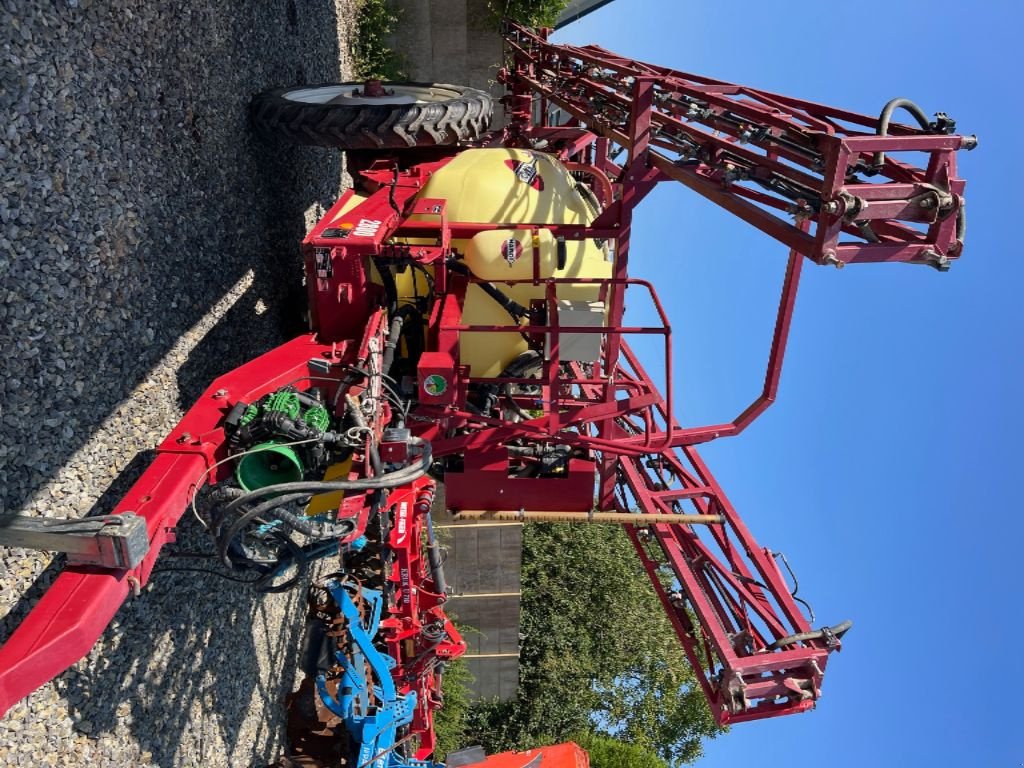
[
  {"x": 599, "y": 654},
  {"x": 606, "y": 752}
]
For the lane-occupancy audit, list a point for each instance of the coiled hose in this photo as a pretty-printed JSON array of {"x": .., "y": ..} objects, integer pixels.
[{"x": 283, "y": 494}]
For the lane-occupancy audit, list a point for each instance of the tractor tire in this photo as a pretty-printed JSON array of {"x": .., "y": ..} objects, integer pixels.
[{"x": 408, "y": 115}]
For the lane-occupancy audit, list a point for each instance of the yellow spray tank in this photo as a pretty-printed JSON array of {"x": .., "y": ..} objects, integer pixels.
[{"x": 513, "y": 186}]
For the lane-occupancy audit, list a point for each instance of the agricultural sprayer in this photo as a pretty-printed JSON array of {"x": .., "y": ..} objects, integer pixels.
[{"x": 467, "y": 328}]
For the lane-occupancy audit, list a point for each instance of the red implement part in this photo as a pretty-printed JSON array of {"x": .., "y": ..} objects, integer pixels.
[
  {"x": 75, "y": 610},
  {"x": 418, "y": 633},
  {"x": 560, "y": 756}
]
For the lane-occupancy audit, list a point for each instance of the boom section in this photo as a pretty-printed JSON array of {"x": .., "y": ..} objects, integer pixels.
[{"x": 871, "y": 190}]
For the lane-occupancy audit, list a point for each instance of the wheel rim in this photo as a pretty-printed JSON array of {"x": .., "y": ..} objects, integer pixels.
[{"x": 351, "y": 94}]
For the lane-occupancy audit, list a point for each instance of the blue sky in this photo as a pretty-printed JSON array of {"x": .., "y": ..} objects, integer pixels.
[{"x": 887, "y": 471}]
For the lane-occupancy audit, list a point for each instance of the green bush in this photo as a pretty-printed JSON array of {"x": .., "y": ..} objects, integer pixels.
[
  {"x": 450, "y": 723},
  {"x": 372, "y": 56},
  {"x": 532, "y": 13}
]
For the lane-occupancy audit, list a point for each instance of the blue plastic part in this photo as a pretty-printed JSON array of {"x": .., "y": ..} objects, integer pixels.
[
  {"x": 375, "y": 732},
  {"x": 266, "y": 528},
  {"x": 357, "y": 545}
]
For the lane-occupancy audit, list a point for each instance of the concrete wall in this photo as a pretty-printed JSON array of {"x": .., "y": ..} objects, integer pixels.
[
  {"x": 483, "y": 571},
  {"x": 450, "y": 41}
]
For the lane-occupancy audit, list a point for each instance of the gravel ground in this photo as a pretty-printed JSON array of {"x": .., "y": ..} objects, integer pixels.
[{"x": 146, "y": 242}]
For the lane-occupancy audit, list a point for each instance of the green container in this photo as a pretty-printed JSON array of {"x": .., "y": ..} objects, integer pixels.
[{"x": 269, "y": 464}]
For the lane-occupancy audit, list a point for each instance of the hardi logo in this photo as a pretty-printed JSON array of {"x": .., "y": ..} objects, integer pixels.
[
  {"x": 511, "y": 250},
  {"x": 527, "y": 172}
]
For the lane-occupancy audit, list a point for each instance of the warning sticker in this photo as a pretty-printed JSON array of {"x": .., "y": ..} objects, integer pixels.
[{"x": 324, "y": 268}]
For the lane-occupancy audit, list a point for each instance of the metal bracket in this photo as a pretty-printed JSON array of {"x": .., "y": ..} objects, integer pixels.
[{"x": 110, "y": 541}]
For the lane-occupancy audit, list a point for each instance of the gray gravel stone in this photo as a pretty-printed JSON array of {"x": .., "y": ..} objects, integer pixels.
[{"x": 148, "y": 242}]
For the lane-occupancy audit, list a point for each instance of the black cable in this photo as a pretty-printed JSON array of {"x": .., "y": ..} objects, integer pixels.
[
  {"x": 391, "y": 194},
  {"x": 518, "y": 369},
  {"x": 390, "y": 289},
  {"x": 298, "y": 557},
  {"x": 225, "y": 539},
  {"x": 303, "y": 490},
  {"x": 394, "y": 337},
  {"x": 429, "y": 278},
  {"x": 399, "y": 402},
  {"x": 801, "y": 637}
]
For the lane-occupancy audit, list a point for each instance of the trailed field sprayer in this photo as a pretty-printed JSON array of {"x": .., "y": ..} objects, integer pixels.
[{"x": 467, "y": 327}]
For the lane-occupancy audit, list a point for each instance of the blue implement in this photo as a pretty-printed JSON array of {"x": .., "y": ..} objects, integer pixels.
[{"x": 373, "y": 726}]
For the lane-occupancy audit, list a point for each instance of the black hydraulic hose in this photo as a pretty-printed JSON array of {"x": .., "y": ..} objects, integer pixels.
[
  {"x": 225, "y": 540},
  {"x": 308, "y": 400},
  {"x": 302, "y": 524},
  {"x": 434, "y": 558},
  {"x": 838, "y": 630},
  {"x": 884, "y": 118},
  {"x": 373, "y": 453},
  {"x": 221, "y": 494},
  {"x": 296, "y": 522},
  {"x": 394, "y": 335},
  {"x": 515, "y": 309},
  {"x": 298, "y": 557},
  {"x": 390, "y": 289},
  {"x": 309, "y": 487},
  {"x": 412, "y": 330},
  {"x": 519, "y": 368}
]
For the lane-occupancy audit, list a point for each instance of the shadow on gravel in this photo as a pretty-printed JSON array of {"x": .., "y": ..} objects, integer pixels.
[
  {"x": 167, "y": 202},
  {"x": 133, "y": 195},
  {"x": 272, "y": 309},
  {"x": 104, "y": 505},
  {"x": 193, "y": 653},
  {"x": 169, "y": 669}
]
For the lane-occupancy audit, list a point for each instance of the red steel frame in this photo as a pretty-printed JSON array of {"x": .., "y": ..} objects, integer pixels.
[
  {"x": 417, "y": 606},
  {"x": 726, "y": 598},
  {"x": 727, "y": 142}
]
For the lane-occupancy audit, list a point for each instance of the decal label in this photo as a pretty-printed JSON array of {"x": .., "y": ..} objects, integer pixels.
[
  {"x": 511, "y": 250},
  {"x": 403, "y": 576},
  {"x": 366, "y": 228},
  {"x": 435, "y": 385},
  {"x": 403, "y": 523},
  {"x": 527, "y": 172},
  {"x": 324, "y": 268}
]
